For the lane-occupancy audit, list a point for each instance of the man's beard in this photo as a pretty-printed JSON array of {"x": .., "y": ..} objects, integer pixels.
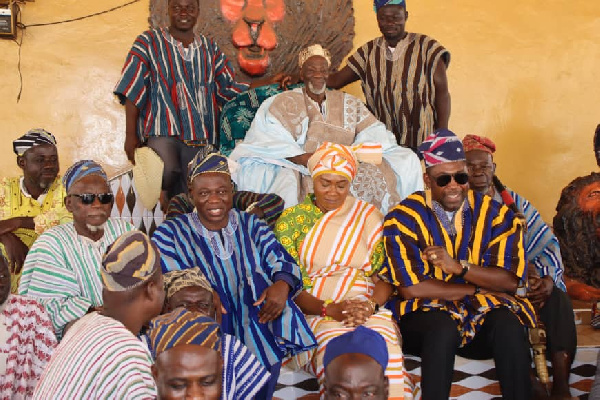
[
  {"x": 313, "y": 90},
  {"x": 96, "y": 228}
]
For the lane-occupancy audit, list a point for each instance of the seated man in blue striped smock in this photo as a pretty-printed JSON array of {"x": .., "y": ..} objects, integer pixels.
[
  {"x": 547, "y": 290},
  {"x": 62, "y": 269},
  {"x": 249, "y": 269}
]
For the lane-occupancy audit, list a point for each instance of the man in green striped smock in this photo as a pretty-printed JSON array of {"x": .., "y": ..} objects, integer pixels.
[{"x": 62, "y": 269}]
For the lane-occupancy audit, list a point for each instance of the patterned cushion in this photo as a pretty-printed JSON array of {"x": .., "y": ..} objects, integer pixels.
[
  {"x": 127, "y": 205},
  {"x": 238, "y": 113}
]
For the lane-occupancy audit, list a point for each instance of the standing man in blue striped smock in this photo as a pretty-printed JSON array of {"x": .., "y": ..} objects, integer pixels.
[
  {"x": 255, "y": 278},
  {"x": 62, "y": 269},
  {"x": 456, "y": 258},
  {"x": 173, "y": 84}
]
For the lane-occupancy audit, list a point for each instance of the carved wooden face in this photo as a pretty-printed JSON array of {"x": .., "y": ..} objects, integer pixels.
[
  {"x": 264, "y": 37},
  {"x": 253, "y": 32},
  {"x": 589, "y": 199}
]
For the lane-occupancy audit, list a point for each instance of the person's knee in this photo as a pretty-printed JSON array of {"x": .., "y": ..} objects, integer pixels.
[
  {"x": 443, "y": 332},
  {"x": 507, "y": 327},
  {"x": 171, "y": 175},
  {"x": 166, "y": 148},
  {"x": 430, "y": 332},
  {"x": 554, "y": 300}
]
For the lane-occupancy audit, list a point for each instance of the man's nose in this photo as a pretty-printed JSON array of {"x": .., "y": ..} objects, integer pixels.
[
  {"x": 214, "y": 197},
  {"x": 195, "y": 392}
]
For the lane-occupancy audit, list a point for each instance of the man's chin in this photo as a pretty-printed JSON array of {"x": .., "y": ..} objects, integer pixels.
[
  {"x": 311, "y": 88},
  {"x": 96, "y": 228},
  {"x": 452, "y": 204},
  {"x": 46, "y": 182}
]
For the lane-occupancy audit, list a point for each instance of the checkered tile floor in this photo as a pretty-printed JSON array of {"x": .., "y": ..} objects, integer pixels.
[{"x": 473, "y": 380}]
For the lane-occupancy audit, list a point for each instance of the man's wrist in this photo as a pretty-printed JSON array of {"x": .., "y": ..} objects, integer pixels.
[
  {"x": 284, "y": 278},
  {"x": 374, "y": 305},
  {"x": 465, "y": 266}
]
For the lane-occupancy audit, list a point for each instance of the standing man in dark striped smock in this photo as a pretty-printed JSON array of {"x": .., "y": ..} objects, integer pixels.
[
  {"x": 456, "y": 258},
  {"x": 403, "y": 77}
]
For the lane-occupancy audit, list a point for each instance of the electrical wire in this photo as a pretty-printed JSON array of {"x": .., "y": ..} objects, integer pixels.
[
  {"x": 19, "y": 43},
  {"x": 84, "y": 17},
  {"x": 20, "y": 25}
]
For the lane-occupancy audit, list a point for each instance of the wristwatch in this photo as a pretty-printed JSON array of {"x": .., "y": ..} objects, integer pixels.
[{"x": 465, "y": 264}]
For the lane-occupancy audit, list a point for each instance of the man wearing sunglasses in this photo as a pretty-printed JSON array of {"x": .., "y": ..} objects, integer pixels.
[
  {"x": 456, "y": 258},
  {"x": 62, "y": 267}
]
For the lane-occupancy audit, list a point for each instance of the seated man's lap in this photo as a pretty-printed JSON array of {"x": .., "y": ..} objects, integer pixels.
[
  {"x": 428, "y": 328},
  {"x": 437, "y": 328},
  {"x": 499, "y": 325}
]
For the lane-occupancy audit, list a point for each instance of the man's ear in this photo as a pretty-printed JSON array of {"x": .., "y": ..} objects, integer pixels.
[
  {"x": 494, "y": 168},
  {"x": 151, "y": 289},
  {"x": 427, "y": 180},
  {"x": 69, "y": 203},
  {"x": 154, "y": 370},
  {"x": 405, "y": 15},
  {"x": 301, "y": 74},
  {"x": 21, "y": 162},
  {"x": 386, "y": 383}
]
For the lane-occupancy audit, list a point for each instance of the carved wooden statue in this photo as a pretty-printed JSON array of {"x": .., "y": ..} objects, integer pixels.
[{"x": 263, "y": 37}]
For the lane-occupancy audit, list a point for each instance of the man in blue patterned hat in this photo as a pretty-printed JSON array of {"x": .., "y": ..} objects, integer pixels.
[
  {"x": 456, "y": 258},
  {"x": 403, "y": 76},
  {"x": 255, "y": 278},
  {"x": 61, "y": 270},
  {"x": 186, "y": 346},
  {"x": 355, "y": 364},
  {"x": 32, "y": 202}
]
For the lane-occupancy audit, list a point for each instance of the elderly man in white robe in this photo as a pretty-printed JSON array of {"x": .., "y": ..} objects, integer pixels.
[{"x": 290, "y": 126}]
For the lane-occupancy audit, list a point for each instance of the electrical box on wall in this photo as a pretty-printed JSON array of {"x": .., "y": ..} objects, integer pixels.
[{"x": 8, "y": 20}]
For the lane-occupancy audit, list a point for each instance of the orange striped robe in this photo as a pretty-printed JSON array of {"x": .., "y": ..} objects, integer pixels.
[{"x": 336, "y": 254}]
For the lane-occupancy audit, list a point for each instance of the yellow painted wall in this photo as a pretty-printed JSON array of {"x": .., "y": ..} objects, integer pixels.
[{"x": 523, "y": 73}]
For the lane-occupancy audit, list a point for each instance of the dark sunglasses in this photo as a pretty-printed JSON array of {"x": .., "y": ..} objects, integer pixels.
[
  {"x": 88, "y": 198},
  {"x": 460, "y": 177}
]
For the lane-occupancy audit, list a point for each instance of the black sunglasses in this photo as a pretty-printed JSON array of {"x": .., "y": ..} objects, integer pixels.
[
  {"x": 460, "y": 177},
  {"x": 88, "y": 198}
]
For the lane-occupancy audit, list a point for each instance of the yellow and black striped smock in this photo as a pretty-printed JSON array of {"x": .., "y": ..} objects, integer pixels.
[{"x": 487, "y": 234}]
